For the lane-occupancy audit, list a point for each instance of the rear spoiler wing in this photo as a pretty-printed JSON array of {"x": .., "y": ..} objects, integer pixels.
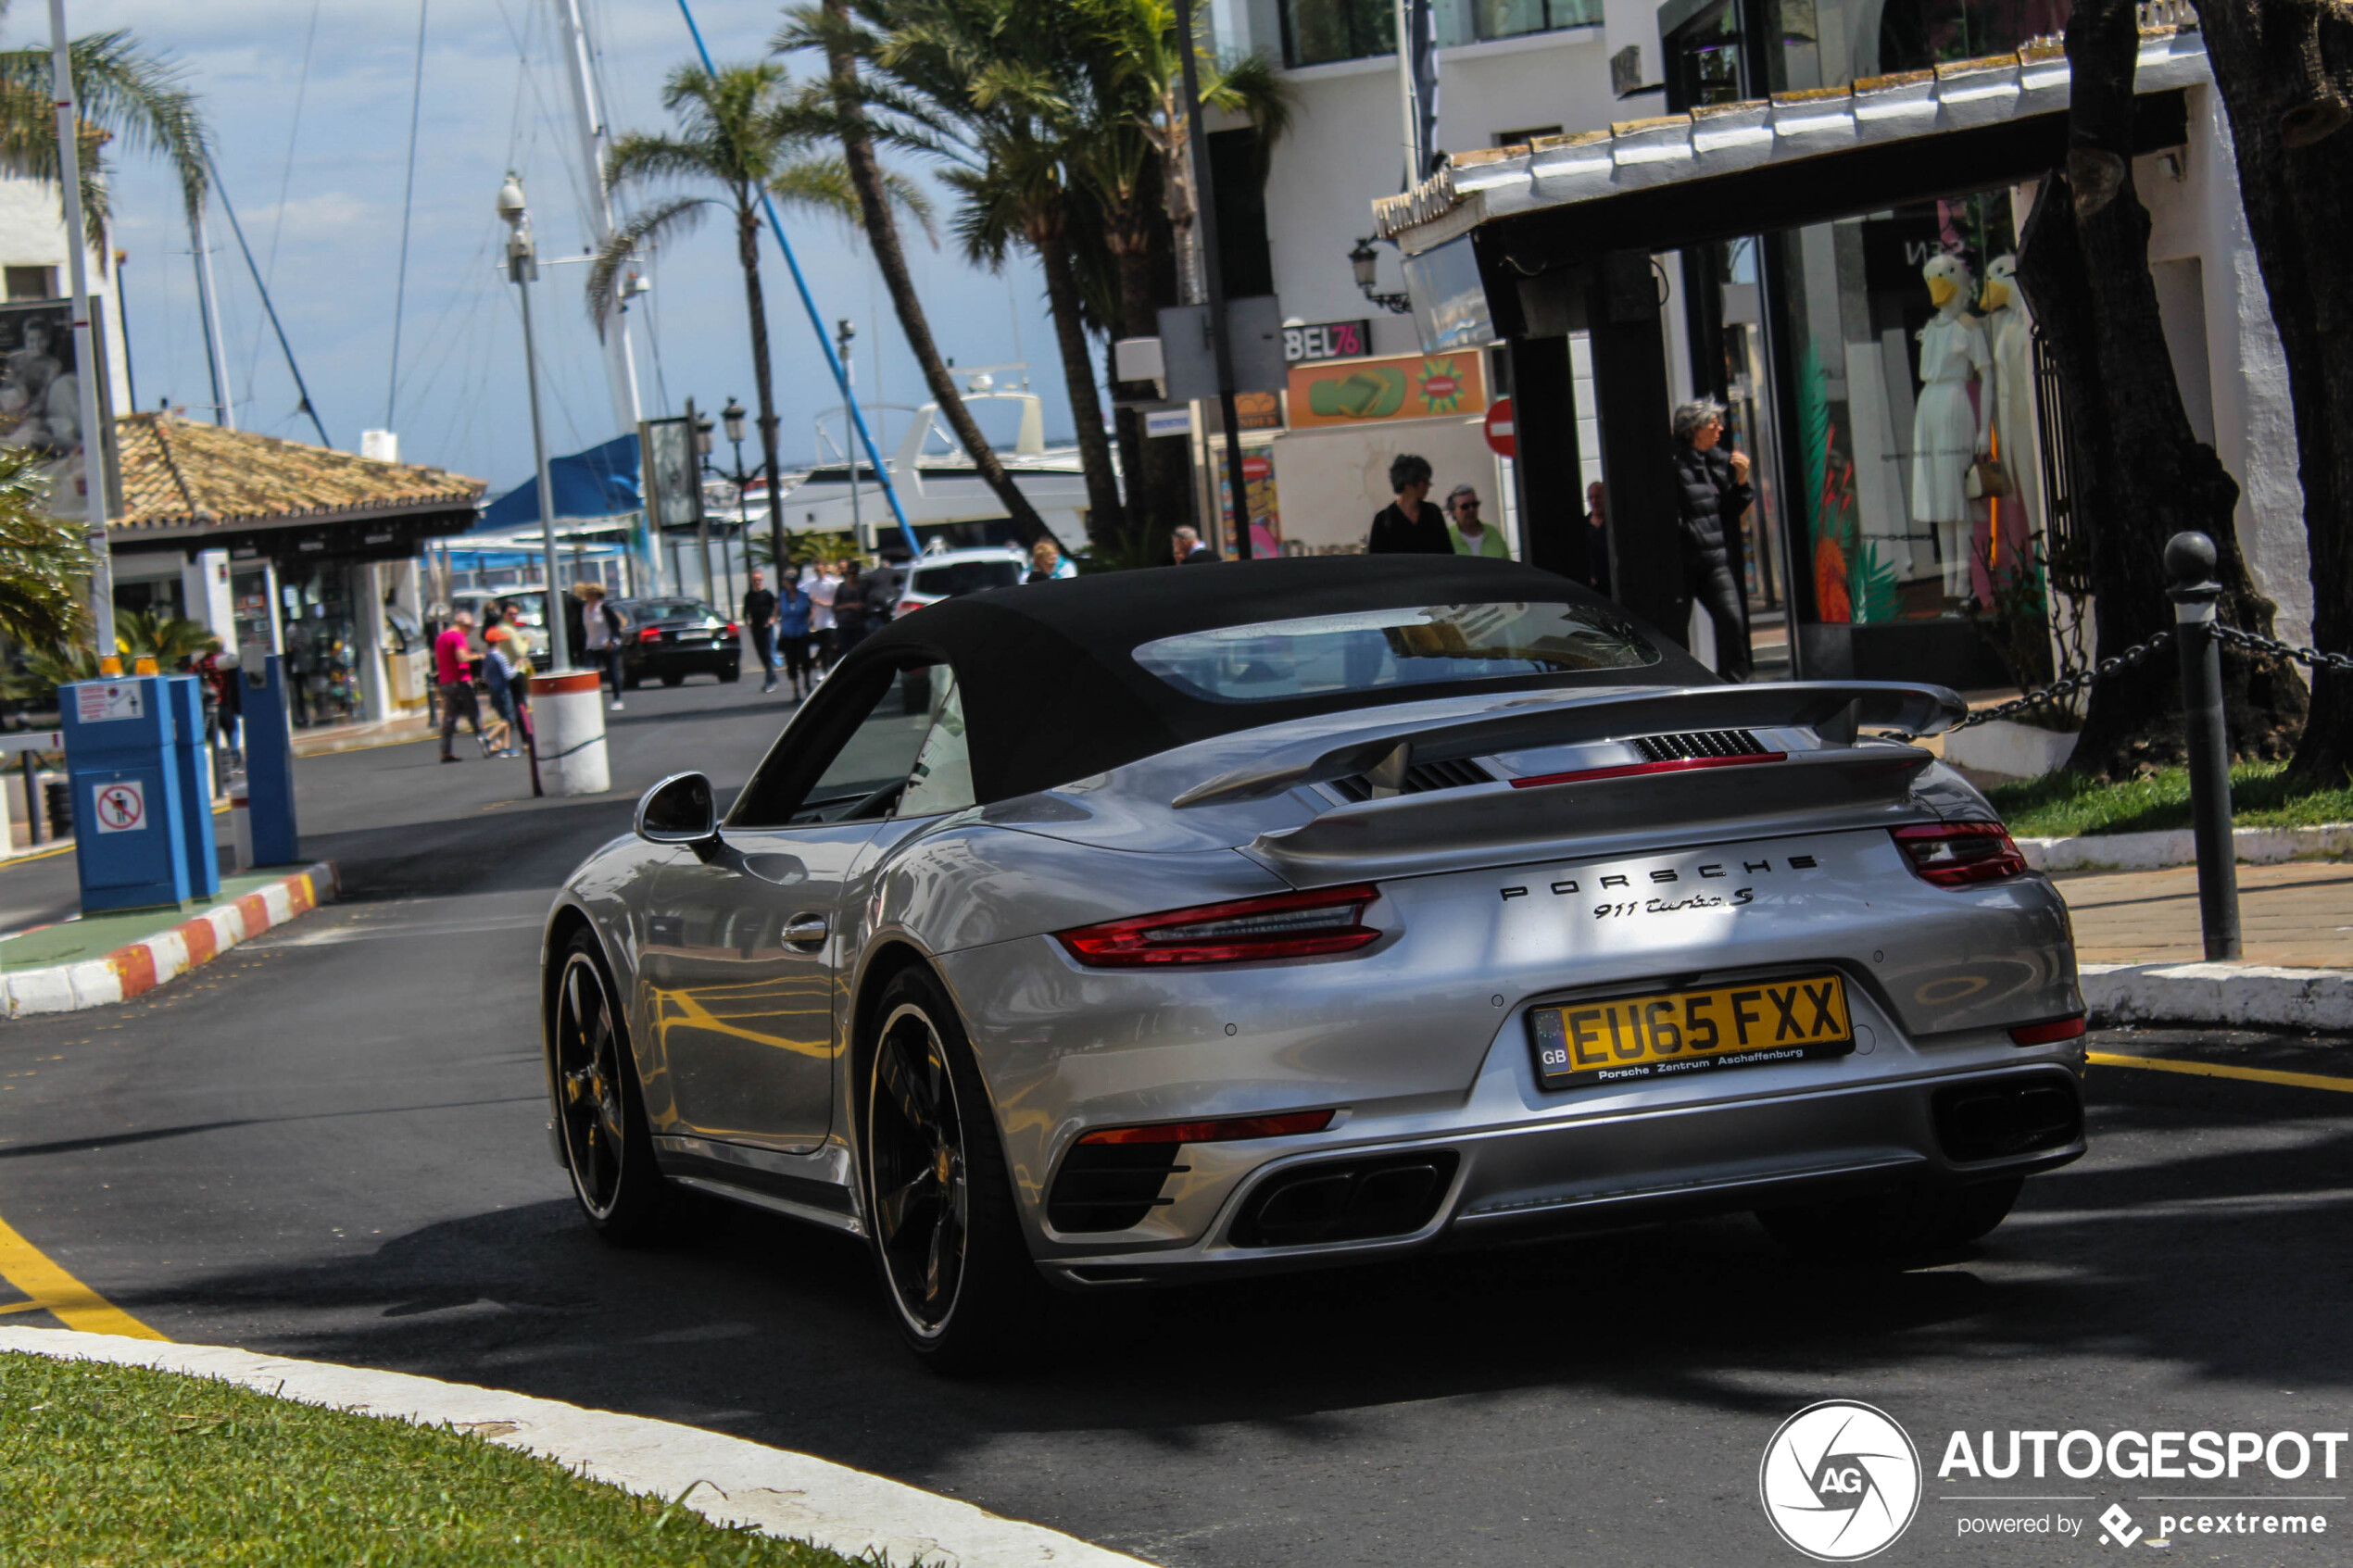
[{"x": 1564, "y": 719}]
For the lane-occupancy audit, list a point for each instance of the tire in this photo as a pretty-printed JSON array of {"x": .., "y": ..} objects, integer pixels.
[
  {"x": 674, "y": 678},
  {"x": 1897, "y": 1224},
  {"x": 729, "y": 674},
  {"x": 630, "y": 679},
  {"x": 947, "y": 1242},
  {"x": 599, "y": 1112}
]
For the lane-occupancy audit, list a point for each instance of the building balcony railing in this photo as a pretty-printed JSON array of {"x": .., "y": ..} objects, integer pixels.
[{"x": 1320, "y": 31}]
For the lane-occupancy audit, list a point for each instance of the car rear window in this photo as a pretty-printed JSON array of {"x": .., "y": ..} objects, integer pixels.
[
  {"x": 947, "y": 579},
  {"x": 668, "y": 609},
  {"x": 1381, "y": 650}
]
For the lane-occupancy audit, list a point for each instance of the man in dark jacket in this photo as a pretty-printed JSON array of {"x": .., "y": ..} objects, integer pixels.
[
  {"x": 1711, "y": 491},
  {"x": 1410, "y": 525}
]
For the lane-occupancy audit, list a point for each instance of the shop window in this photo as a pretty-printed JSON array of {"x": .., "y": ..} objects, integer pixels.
[
  {"x": 30, "y": 282},
  {"x": 323, "y": 644},
  {"x": 1831, "y": 43},
  {"x": 1318, "y": 31},
  {"x": 1909, "y": 362}
]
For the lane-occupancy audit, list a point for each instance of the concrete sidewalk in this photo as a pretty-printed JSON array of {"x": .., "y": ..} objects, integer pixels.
[{"x": 2143, "y": 954}]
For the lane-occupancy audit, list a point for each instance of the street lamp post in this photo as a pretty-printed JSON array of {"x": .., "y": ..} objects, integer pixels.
[
  {"x": 85, "y": 348},
  {"x": 733, "y": 415},
  {"x": 843, "y": 332},
  {"x": 699, "y": 432},
  {"x": 522, "y": 265}
]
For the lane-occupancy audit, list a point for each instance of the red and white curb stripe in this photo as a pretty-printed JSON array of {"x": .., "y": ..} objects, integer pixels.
[
  {"x": 727, "y": 1480},
  {"x": 142, "y": 966}
]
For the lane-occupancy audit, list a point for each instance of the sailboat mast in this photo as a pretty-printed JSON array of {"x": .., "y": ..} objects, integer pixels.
[
  {"x": 620, "y": 366},
  {"x": 209, "y": 305}
]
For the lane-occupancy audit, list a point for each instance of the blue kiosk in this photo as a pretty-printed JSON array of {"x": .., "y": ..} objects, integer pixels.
[{"x": 134, "y": 762}]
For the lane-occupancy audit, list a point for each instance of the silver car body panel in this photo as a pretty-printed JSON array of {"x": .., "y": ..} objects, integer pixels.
[{"x": 1494, "y": 900}]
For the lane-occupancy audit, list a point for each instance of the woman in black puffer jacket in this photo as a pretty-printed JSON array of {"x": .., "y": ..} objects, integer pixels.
[{"x": 1711, "y": 491}]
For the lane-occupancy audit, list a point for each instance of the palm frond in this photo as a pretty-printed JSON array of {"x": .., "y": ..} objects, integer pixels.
[
  {"x": 123, "y": 91},
  {"x": 645, "y": 228},
  {"x": 43, "y": 568}
]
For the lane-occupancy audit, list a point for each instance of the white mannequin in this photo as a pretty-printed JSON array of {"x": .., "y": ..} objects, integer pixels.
[
  {"x": 2012, "y": 331},
  {"x": 1948, "y": 435}
]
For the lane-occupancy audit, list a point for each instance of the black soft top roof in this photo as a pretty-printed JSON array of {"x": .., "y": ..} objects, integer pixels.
[{"x": 1053, "y": 693}]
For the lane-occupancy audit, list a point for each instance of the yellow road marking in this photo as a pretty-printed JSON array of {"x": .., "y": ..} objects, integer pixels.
[
  {"x": 60, "y": 1295},
  {"x": 2215, "y": 1070}
]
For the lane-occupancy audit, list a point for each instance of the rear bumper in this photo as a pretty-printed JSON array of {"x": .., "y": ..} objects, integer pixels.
[{"x": 1601, "y": 1172}]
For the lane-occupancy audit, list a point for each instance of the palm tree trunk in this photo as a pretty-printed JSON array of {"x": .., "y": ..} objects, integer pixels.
[
  {"x": 1105, "y": 521},
  {"x": 763, "y": 377},
  {"x": 891, "y": 258}
]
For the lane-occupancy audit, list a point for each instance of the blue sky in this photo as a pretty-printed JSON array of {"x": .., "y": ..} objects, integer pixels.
[{"x": 493, "y": 99}]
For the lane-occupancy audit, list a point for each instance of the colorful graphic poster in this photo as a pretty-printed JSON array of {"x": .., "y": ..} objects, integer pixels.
[
  {"x": 1266, "y": 518},
  {"x": 1405, "y": 386}
]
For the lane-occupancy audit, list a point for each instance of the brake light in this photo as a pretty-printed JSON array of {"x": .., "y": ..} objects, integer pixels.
[
  {"x": 650, "y": 634},
  {"x": 1216, "y": 1132},
  {"x": 906, "y": 605},
  {"x": 731, "y": 629},
  {"x": 1631, "y": 770},
  {"x": 1959, "y": 854},
  {"x": 1281, "y": 925},
  {"x": 2049, "y": 1033}
]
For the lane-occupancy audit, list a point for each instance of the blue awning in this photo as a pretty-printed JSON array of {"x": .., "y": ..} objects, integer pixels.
[{"x": 600, "y": 481}]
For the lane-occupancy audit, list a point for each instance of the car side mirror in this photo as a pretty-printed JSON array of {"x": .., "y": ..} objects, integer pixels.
[{"x": 678, "y": 810}]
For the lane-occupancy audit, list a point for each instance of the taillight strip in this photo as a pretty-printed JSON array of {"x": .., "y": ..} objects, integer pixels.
[
  {"x": 1221, "y": 934},
  {"x": 1629, "y": 769},
  {"x": 2049, "y": 1033},
  {"x": 1225, "y": 1131}
]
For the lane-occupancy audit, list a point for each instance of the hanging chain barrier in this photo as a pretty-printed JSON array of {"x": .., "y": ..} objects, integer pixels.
[{"x": 2065, "y": 686}]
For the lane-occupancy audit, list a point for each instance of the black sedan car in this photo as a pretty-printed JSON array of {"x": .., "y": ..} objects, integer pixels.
[{"x": 671, "y": 639}]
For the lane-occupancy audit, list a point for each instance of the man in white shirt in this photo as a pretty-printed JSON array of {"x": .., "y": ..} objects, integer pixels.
[{"x": 820, "y": 614}]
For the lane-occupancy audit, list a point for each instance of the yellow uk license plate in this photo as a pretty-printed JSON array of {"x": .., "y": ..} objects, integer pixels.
[{"x": 1669, "y": 1034}]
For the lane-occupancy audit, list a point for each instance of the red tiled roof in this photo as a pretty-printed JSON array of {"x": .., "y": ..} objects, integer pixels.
[{"x": 178, "y": 473}]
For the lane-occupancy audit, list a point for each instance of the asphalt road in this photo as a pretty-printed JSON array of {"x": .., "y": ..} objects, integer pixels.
[{"x": 330, "y": 1144}]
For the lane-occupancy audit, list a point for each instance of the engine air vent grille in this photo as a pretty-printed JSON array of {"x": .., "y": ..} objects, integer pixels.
[
  {"x": 1454, "y": 774},
  {"x": 1106, "y": 1186},
  {"x": 1698, "y": 743}
]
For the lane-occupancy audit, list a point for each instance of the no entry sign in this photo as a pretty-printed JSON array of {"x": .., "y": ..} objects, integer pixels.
[
  {"x": 120, "y": 808},
  {"x": 1500, "y": 435}
]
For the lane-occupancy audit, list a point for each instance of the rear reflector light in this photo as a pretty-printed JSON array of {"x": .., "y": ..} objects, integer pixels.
[
  {"x": 1959, "y": 854},
  {"x": 1282, "y": 925},
  {"x": 650, "y": 634},
  {"x": 1216, "y": 1132},
  {"x": 906, "y": 605},
  {"x": 1631, "y": 770},
  {"x": 2050, "y": 1032}
]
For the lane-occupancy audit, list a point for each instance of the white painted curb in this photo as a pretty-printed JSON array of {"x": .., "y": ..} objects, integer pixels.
[
  {"x": 2150, "y": 851},
  {"x": 776, "y": 1491},
  {"x": 2238, "y": 995}
]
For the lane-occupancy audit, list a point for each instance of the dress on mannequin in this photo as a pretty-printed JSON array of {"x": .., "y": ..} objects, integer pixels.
[
  {"x": 2012, "y": 331},
  {"x": 1948, "y": 433}
]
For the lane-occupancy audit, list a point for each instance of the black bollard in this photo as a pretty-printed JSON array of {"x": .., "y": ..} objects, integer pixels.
[{"x": 2189, "y": 564}]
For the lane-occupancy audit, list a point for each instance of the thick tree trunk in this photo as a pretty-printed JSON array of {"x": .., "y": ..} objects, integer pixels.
[
  {"x": 2083, "y": 262},
  {"x": 1160, "y": 485},
  {"x": 762, "y": 373},
  {"x": 1106, "y": 522},
  {"x": 890, "y": 259},
  {"x": 2285, "y": 68}
]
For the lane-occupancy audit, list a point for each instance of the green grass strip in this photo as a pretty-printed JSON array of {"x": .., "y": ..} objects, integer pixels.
[
  {"x": 2062, "y": 805},
  {"x": 108, "y": 1467}
]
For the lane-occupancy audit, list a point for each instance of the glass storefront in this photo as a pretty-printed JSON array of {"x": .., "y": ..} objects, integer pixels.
[{"x": 323, "y": 643}]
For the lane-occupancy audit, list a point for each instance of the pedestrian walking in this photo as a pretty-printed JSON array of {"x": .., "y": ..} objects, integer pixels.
[
  {"x": 1409, "y": 525},
  {"x": 822, "y": 630},
  {"x": 1185, "y": 542},
  {"x": 601, "y": 626},
  {"x": 849, "y": 609},
  {"x": 454, "y": 677},
  {"x": 1597, "y": 539},
  {"x": 1047, "y": 562},
  {"x": 760, "y": 625},
  {"x": 793, "y": 612},
  {"x": 498, "y": 682},
  {"x": 1711, "y": 491},
  {"x": 1469, "y": 533}
]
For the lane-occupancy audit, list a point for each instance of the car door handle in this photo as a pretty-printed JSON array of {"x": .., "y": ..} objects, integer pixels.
[{"x": 804, "y": 931}]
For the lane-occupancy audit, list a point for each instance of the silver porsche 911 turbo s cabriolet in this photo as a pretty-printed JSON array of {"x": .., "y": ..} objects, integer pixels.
[{"x": 1171, "y": 925}]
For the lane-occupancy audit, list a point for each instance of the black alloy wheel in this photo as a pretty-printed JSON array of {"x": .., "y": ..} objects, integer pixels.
[
  {"x": 940, "y": 1205},
  {"x": 607, "y": 1147}
]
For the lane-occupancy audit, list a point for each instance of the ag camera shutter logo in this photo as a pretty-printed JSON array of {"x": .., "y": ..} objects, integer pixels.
[{"x": 1841, "y": 1481}]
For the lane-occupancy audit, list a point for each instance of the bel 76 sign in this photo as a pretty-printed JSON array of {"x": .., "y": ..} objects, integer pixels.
[{"x": 1310, "y": 342}]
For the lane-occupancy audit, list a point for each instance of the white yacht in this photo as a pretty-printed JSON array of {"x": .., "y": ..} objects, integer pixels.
[{"x": 944, "y": 497}]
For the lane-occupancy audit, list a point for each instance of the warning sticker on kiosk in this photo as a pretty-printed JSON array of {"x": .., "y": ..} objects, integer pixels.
[
  {"x": 120, "y": 806},
  {"x": 97, "y": 701}
]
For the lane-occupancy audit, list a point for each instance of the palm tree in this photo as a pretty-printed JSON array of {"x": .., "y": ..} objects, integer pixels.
[
  {"x": 988, "y": 87},
  {"x": 849, "y": 42},
  {"x": 736, "y": 131},
  {"x": 122, "y": 93},
  {"x": 43, "y": 568}
]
